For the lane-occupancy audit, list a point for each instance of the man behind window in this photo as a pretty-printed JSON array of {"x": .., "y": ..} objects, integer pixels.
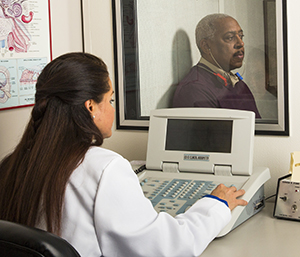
[{"x": 211, "y": 83}]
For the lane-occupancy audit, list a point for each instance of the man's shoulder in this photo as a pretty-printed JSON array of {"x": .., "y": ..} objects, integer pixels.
[{"x": 197, "y": 76}]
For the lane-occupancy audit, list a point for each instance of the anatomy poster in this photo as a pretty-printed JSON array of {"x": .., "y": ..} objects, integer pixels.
[{"x": 25, "y": 49}]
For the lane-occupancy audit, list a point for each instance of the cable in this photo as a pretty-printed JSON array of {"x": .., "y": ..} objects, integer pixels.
[
  {"x": 267, "y": 198},
  {"x": 225, "y": 72}
]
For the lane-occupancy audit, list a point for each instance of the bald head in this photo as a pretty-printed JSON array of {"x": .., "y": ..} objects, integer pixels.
[{"x": 206, "y": 27}]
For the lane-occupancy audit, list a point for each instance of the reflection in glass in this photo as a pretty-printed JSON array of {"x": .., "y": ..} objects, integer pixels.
[{"x": 155, "y": 45}]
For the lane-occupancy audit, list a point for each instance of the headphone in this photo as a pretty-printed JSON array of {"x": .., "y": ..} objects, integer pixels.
[{"x": 220, "y": 78}]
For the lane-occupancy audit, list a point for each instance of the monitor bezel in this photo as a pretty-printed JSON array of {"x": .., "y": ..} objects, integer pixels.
[{"x": 240, "y": 160}]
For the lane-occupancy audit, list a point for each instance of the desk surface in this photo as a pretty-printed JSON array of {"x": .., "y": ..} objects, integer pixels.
[{"x": 261, "y": 235}]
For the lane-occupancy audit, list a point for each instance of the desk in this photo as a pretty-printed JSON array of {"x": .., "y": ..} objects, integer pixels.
[{"x": 262, "y": 235}]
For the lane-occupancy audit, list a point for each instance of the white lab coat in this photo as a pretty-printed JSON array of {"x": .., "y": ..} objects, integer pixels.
[{"x": 106, "y": 213}]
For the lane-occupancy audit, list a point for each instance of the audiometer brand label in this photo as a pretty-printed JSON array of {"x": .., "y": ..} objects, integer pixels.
[{"x": 196, "y": 157}]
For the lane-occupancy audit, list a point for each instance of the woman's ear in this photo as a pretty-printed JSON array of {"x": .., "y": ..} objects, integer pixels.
[{"x": 89, "y": 105}]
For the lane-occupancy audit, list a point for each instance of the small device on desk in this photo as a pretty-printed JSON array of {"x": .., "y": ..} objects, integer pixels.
[
  {"x": 287, "y": 204},
  {"x": 192, "y": 150}
]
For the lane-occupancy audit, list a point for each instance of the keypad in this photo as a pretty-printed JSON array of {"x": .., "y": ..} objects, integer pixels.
[{"x": 175, "y": 196}]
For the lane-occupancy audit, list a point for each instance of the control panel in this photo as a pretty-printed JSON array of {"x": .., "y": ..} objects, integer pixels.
[
  {"x": 175, "y": 196},
  {"x": 287, "y": 205}
]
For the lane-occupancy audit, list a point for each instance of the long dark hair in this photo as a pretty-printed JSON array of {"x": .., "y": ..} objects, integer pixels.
[{"x": 61, "y": 130}]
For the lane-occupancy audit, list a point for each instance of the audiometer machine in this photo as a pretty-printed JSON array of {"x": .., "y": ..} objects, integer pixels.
[{"x": 192, "y": 150}]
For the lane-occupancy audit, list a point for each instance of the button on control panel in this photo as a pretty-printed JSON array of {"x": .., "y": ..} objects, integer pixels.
[{"x": 175, "y": 196}]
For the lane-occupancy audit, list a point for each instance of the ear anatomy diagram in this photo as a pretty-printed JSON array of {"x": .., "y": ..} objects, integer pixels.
[
  {"x": 4, "y": 85},
  {"x": 30, "y": 76},
  {"x": 14, "y": 19},
  {"x": 25, "y": 49}
]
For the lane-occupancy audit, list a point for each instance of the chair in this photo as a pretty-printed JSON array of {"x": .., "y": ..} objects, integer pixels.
[{"x": 22, "y": 241}]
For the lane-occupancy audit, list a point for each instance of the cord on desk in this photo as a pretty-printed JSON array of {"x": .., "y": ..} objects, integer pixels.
[{"x": 267, "y": 198}]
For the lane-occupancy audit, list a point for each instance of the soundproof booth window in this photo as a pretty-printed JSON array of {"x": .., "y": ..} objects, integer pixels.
[{"x": 199, "y": 135}]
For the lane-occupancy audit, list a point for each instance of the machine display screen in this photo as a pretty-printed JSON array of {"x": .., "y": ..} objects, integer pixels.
[{"x": 213, "y": 136}]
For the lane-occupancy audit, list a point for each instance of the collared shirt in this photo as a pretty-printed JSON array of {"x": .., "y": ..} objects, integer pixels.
[{"x": 231, "y": 78}]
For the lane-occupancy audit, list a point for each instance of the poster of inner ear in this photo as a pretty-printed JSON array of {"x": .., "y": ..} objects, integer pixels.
[
  {"x": 25, "y": 49},
  {"x": 203, "y": 54}
]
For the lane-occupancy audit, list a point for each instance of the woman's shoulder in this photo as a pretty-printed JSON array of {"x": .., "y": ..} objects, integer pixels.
[
  {"x": 101, "y": 157},
  {"x": 95, "y": 162},
  {"x": 97, "y": 150}
]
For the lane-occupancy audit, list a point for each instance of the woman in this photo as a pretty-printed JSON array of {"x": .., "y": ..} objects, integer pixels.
[{"x": 59, "y": 179}]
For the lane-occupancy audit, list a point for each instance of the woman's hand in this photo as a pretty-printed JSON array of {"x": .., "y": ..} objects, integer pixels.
[{"x": 230, "y": 195}]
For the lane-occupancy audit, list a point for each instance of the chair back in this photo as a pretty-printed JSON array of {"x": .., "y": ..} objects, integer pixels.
[{"x": 23, "y": 241}]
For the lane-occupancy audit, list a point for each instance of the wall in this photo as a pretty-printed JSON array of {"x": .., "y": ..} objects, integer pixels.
[
  {"x": 166, "y": 47},
  {"x": 270, "y": 151},
  {"x": 66, "y": 37}
]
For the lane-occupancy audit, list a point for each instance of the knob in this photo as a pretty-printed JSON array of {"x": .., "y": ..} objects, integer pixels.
[{"x": 284, "y": 198}]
